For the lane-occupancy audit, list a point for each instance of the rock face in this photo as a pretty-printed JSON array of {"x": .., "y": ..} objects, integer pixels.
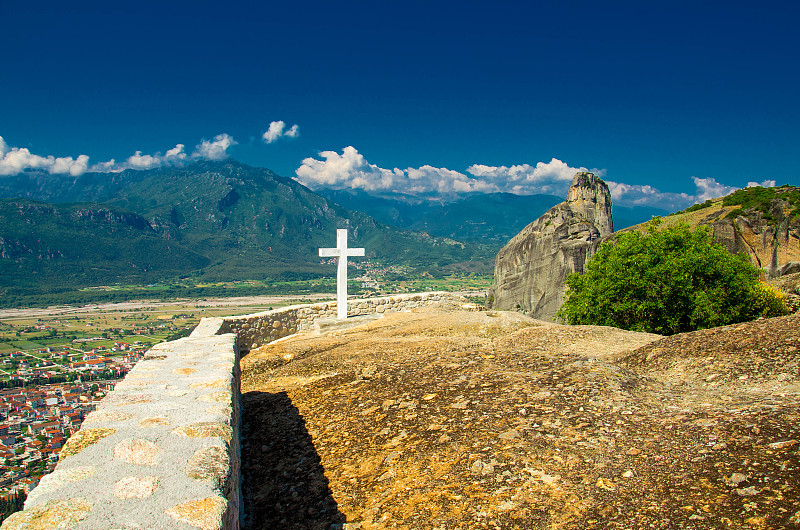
[
  {"x": 530, "y": 270},
  {"x": 771, "y": 244}
]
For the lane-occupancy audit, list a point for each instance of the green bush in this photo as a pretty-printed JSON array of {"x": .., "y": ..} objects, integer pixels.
[
  {"x": 733, "y": 214},
  {"x": 667, "y": 281},
  {"x": 766, "y": 300},
  {"x": 698, "y": 206}
]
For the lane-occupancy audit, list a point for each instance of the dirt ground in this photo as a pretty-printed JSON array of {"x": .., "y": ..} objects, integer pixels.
[{"x": 455, "y": 419}]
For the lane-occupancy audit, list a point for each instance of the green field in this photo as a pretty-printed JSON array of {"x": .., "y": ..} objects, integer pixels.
[
  {"x": 390, "y": 283},
  {"x": 163, "y": 316},
  {"x": 26, "y": 345}
]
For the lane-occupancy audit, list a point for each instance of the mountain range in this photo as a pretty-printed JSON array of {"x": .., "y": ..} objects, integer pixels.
[
  {"x": 213, "y": 220},
  {"x": 228, "y": 221},
  {"x": 492, "y": 218}
]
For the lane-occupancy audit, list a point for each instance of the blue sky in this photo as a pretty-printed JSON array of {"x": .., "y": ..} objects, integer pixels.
[{"x": 672, "y": 102}]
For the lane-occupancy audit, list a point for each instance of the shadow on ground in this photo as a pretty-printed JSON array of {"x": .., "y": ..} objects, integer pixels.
[{"x": 284, "y": 483}]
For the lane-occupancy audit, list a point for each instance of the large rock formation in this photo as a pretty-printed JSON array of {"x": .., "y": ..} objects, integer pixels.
[
  {"x": 530, "y": 270},
  {"x": 772, "y": 243}
]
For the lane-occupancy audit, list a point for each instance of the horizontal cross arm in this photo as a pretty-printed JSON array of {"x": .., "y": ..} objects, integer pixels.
[
  {"x": 355, "y": 251},
  {"x": 330, "y": 252}
]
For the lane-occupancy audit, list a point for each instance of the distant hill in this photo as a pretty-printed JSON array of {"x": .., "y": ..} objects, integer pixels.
[
  {"x": 62, "y": 188},
  {"x": 43, "y": 246},
  {"x": 216, "y": 220},
  {"x": 491, "y": 218}
]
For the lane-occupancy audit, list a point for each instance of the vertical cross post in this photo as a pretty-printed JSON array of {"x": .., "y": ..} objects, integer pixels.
[{"x": 341, "y": 252}]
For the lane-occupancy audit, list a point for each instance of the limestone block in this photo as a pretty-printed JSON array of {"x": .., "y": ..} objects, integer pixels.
[
  {"x": 216, "y": 383},
  {"x": 105, "y": 415},
  {"x": 83, "y": 439},
  {"x": 121, "y": 399},
  {"x": 201, "y": 513},
  {"x": 59, "y": 478},
  {"x": 210, "y": 463},
  {"x": 216, "y": 397},
  {"x": 135, "y": 487},
  {"x": 63, "y": 513},
  {"x": 205, "y": 429},
  {"x": 222, "y": 410},
  {"x": 137, "y": 451},
  {"x": 154, "y": 421}
]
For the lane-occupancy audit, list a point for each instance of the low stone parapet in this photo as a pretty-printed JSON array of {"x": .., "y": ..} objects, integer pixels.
[
  {"x": 258, "y": 329},
  {"x": 162, "y": 449}
]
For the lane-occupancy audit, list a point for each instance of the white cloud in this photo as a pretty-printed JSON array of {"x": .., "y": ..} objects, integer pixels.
[
  {"x": 176, "y": 155},
  {"x": 348, "y": 170},
  {"x": 764, "y": 183},
  {"x": 110, "y": 165},
  {"x": 276, "y": 131},
  {"x": 645, "y": 195},
  {"x": 216, "y": 149},
  {"x": 351, "y": 170},
  {"x": 140, "y": 161},
  {"x": 552, "y": 177},
  {"x": 75, "y": 167},
  {"x": 429, "y": 179},
  {"x": 705, "y": 188},
  {"x": 14, "y": 160},
  {"x": 709, "y": 188},
  {"x": 173, "y": 157}
]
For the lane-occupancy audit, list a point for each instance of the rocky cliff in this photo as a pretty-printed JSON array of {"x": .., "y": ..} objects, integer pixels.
[
  {"x": 761, "y": 223},
  {"x": 530, "y": 270},
  {"x": 772, "y": 243}
]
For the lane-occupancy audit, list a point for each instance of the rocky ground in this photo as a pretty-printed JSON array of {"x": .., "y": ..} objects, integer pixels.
[{"x": 455, "y": 419}]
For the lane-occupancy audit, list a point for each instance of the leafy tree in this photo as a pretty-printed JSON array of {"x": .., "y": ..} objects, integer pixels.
[{"x": 668, "y": 281}]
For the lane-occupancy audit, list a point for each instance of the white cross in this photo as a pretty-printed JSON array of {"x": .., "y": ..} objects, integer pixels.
[{"x": 342, "y": 252}]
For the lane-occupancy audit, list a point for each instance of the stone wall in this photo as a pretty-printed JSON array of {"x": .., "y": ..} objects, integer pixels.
[
  {"x": 262, "y": 328},
  {"x": 162, "y": 449}
]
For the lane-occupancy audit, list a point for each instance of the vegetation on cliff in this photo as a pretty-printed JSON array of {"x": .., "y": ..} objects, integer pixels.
[
  {"x": 761, "y": 199},
  {"x": 753, "y": 198},
  {"x": 668, "y": 281}
]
